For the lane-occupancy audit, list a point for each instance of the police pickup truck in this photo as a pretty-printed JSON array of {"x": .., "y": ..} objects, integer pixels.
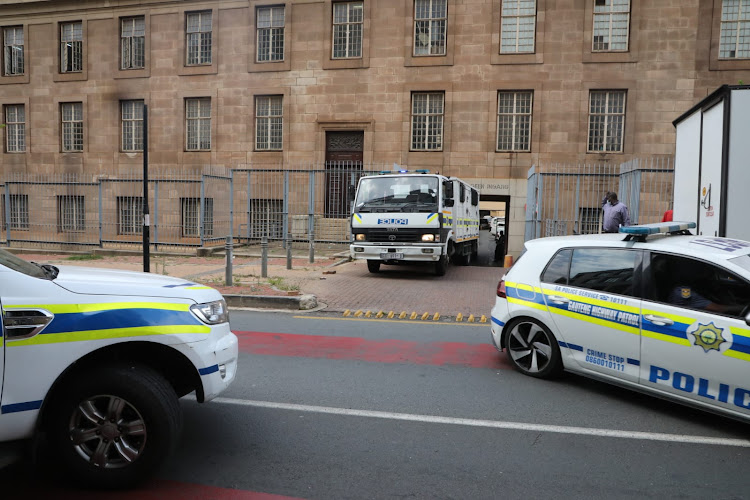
[{"x": 93, "y": 361}]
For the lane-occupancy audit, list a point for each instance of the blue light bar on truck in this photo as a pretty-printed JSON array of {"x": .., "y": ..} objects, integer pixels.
[
  {"x": 418, "y": 171},
  {"x": 658, "y": 228}
]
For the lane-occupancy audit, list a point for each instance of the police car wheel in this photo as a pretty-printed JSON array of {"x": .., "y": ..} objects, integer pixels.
[
  {"x": 532, "y": 349},
  {"x": 373, "y": 266},
  {"x": 114, "y": 428}
]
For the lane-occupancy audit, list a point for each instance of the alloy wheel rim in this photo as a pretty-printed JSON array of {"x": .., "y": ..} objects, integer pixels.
[{"x": 530, "y": 347}]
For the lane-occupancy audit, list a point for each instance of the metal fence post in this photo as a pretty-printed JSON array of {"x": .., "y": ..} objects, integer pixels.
[
  {"x": 7, "y": 214},
  {"x": 202, "y": 212},
  {"x": 285, "y": 222},
  {"x": 231, "y": 204},
  {"x": 289, "y": 250},
  {"x": 101, "y": 214},
  {"x": 264, "y": 257},
  {"x": 228, "y": 248},
  {"x": 155, "y": 218},
  {"x": 311, "y": 215}
]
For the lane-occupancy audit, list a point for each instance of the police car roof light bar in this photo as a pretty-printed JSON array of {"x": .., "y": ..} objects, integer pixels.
[{"x": 641, "y": 231}]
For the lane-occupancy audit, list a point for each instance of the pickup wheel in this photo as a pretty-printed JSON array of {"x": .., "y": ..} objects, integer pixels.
[
  {"x": 373, "y": 266},
  {"x": 113, "y": 428}
]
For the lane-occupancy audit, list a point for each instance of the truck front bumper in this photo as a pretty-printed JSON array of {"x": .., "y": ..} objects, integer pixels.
[{"x": 384, "y": 252}]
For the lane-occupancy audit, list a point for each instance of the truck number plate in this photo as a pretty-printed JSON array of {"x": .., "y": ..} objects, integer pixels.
[{"x": 391, "y": 255}]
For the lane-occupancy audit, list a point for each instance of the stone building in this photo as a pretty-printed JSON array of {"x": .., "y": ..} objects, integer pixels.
[{"x": 479, "y": 89}]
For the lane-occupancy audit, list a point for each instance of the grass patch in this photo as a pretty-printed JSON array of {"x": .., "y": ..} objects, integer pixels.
[{"x": 86, "y": 256}]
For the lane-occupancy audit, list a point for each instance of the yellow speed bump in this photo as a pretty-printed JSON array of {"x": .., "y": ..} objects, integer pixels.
[
  {"x": 347, "y": 313},
  {"x": 358, "y": 313},
  {"x": 470, "y": 318},
  {"x": 402, "y": 315},
  {"x": 413, "y": 315},
  {"x": 483, "y": 319},
  {"x": 460, "y": 317},
  {"x": 391, "y": 314},
  {"x": 368, "y": 314},
  {"x": 380, "y": 314},
  {"x": 436, "y": 317},
  {"x": 425, "y": 316}
]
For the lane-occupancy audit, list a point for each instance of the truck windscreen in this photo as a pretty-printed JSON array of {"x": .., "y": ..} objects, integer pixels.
[{"x": 402, "y": 193}]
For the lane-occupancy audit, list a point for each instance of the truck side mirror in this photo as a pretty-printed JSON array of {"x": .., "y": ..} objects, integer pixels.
[
  {"x": 474, "y": 197},
  {"x": 352, "y": 191},
  {"x": 448, "y": 189},
  {"x": 448, "y": 202}
]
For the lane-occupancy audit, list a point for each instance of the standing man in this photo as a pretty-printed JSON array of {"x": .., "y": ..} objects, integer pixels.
[{"x": 615, "y": 213}]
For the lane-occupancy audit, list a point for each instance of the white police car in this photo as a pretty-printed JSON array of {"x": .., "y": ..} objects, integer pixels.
[
  {"x": 653, "y": 308},
  {"x": 93, "y": 361}
]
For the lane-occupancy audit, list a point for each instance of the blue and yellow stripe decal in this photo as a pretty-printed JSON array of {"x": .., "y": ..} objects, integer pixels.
[
  {"x": 525, "y": 295},
  {"x": 356, "y": 218},
  {"x": 740, "y": 347},
  {"x": 432, "y": 217}
]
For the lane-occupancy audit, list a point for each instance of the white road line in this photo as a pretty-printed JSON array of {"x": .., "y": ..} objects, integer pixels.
[{"x": 494, "y": 424}]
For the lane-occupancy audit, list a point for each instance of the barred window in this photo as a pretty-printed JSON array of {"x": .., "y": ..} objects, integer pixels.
[
  {"x": 71, "y": 47},
  {"x": 132, "y": 42},
  {"x": 129, "y": 215},
  {"x": 348, "y": 20},
  {"x": 611, "y": 25},
  {"x": 606, "y": 120},
  {"x": 19, "y": 211},
  {"x": 427, "y": 112},
  {"x": 514, "y": 120},
  {"x": 430, "y": 21},
  {"x": 191, "y": 211},
  {"x": 588, "y": 220},
  {"x": 270, "y": 32},
  {"x": 13, "y": 50},
  {"x": 198, "y": 32},
  {"x": 269, "y": 121},
  {"x": 198, "y": 126},
  {"x": 132, "y": 125},
  {"x": 72, "y": 126},
  {"x": 71, "y": 216},
  {"x": 735, "y": 29},
  {"x": 518, "y": 26},
  {"x": 15, "y": 128}
]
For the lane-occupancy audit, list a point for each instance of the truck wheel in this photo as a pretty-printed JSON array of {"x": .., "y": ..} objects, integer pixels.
[
  {"x": 373, "y": 266},
  {"x": 441, "y": 265},
  {"x": 113, "y": 428}
]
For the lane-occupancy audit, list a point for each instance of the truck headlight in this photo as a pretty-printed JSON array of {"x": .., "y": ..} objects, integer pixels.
[
  {"x": 428, "y": 237},
  {"x": 211, "y": 313},
  {"x": 360, "y": 237}
]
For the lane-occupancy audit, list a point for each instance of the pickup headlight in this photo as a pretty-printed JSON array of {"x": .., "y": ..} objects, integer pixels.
[{"x": 211, "y": 313}]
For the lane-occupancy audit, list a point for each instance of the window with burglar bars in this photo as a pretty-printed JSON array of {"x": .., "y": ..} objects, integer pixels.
[
  {"x": 191, "y": 211},
  {"x": 518, "y": 26},
  {"x": 19, "y": 211},
  {"x": 266, "y": 218},
  {"x": 71, "y": 216},
  {"x": 72, "y": 126},
  {"x": 71, "y": 47},
  {"x": 735, "y": 29},
  {"x": 269, "y": 116},
  {"x": 611, "y": 25},
  {"x": 198, "y": 126},
  {"x": 514, "y": 120},
  {"x": 132, "y": 42},
  {"x": 606, "y": 120},
  {"x": 588, "y": 220},
  {"x": 15, "y": 128},
  {"x": 427, "y": 112},
  {"x": 129, "y": 215},
  {"x": 270, "y": 22},
  {"x": 348, "y": 20},
  {"x": 132, "y": 125},
  {"x": 198, "y": 33},
  {"x": 13, "y": 51},
  {"x": 430, "y": 24}
]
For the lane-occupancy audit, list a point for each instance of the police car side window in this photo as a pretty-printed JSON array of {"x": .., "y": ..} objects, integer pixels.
[
  {"x": 607, "y": 270},
  {"x": 557, "y": 269},
  {"x": 695, "y": 284}
]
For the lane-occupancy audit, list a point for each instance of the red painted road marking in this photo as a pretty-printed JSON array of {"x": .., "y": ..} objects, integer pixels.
[{"x": 377, "y": 351}]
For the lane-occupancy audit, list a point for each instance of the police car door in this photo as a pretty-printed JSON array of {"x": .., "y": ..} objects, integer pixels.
[
  {"x": 596, "y": 308},
  {"x": 688, "y": 349}
]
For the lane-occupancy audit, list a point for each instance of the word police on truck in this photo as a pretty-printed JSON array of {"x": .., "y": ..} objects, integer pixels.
[{"x": 414, "y": 217}]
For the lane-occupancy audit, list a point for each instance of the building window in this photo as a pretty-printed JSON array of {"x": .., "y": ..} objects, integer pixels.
[
  {"x": 72, "y": 126},
  {"x": 198, "y": 34},
  {"x": 735, "y": 29},
  {"x": 191, "y": 210},
  {"x": 518, "y": 26},
  {"x": 198, "y": 126},
  {"x": 15, "y": 128},
  {"x": 269, "y": 121},
  {"x": 611, "y": 25},
  {"x": 430, "y": 20},
  {"x": 347, "y": 29},
  {"x": 427, "y": 111},
  {"x": 606, "y": 120},
  {"x": 70, "y": 214},
  {"x": 270, "y": 32},
  {"x": 589, "y": 220},
  {"x": 129, "y": 215},
  {"x": 19, "y": 211},
  {"x": 71, "y": 47},
  {"x": 132, "y": 42},
  {"x": 514, "y": 121},
  {"x": 13, "y": 51},
  {"x": 132, "y": 125}
]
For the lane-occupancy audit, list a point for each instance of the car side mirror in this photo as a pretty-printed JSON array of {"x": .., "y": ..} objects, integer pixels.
[{"x": 747, "y": 316}]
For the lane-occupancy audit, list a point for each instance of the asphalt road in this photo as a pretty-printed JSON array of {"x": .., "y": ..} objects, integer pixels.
[{"x": 326, "y": 407}]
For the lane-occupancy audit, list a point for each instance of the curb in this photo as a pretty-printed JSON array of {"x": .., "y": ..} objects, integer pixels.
[{"x": 293, "y": 303}]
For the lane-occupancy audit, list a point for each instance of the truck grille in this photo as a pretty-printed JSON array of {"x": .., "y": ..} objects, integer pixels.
[{"x": 400, "y": 236}]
